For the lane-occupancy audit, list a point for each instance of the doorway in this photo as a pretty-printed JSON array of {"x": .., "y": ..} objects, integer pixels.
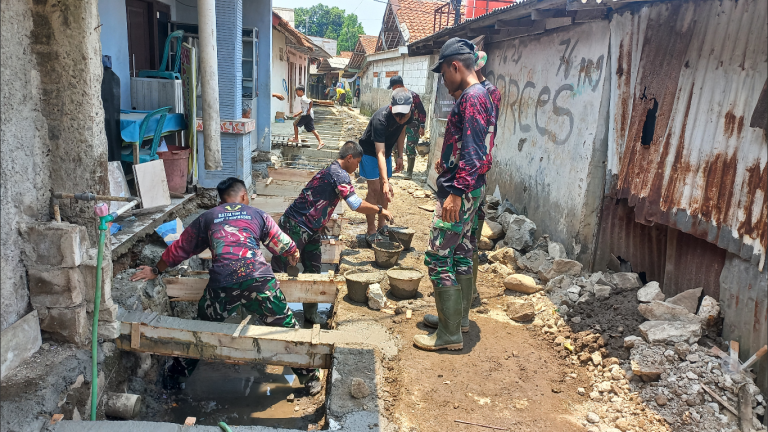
[{"x": 142, "y": 35}]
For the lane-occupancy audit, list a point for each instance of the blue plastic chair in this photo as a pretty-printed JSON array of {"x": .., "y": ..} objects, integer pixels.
[
  {"x": 173, "y": 74},
  {"x": 150, "y": 154}
]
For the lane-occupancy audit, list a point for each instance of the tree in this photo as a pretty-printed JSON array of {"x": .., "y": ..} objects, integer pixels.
[{"x": 331, "y": 23}]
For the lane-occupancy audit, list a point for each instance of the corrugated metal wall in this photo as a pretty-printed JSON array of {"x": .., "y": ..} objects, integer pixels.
[{"x": 701, "y": 67}]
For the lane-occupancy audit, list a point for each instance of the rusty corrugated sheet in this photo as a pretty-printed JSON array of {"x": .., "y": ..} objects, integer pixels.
[
  {"x": 702, "y": 66},
  {"x": 743, "y": 299},
  {"x": 692, "y": 262}
]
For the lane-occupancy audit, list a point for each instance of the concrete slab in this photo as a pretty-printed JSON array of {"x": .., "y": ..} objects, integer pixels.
[
  {"x": 133, "y": 426},
  {"x": 18, "y": 342},
  {"x": 348, "y": 411}
]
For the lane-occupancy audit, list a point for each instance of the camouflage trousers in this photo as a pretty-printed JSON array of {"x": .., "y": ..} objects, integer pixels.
[
  {"x": 451, "y": 244},
  {"x": 259, "y": 296},
  {"x": 411, "y": 138},
  {"x": 307, "y": 243}
]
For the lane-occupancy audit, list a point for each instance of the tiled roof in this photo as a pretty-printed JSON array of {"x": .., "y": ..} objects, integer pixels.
[
  {"x": 369, "y": 43},
  {"x": 419, "y": 17},
  {"x": 345, "y": 54}
]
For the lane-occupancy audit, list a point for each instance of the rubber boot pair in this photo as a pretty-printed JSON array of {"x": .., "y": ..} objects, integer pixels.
[
  {"x": 411, "y": 164},
  {"x": 465, "y": 294},
  {"x": 311, "y": 315}
]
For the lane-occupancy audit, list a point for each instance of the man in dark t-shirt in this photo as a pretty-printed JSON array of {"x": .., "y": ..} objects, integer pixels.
[
  {"x": 461, "y": 171},
  {"x": 307, "y": 216},
  {"x": 385, "y": 130},
  {"x": 415, "y": 128}
]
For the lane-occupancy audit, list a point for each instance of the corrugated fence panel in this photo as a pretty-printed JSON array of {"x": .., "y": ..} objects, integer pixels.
[{"x": 689, "y": 75}]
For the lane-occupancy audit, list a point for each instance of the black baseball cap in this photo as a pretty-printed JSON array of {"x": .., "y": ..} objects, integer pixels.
[
  {"x": 401, "y": 101},
  {"x": 454, "y": 46},
  {"x": 395, "y": 80}
]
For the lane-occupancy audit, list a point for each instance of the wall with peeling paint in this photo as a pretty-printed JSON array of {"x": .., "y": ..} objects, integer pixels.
[{"x": 551, "y": 142}]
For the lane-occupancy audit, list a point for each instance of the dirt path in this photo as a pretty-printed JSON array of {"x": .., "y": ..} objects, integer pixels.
[{"x": 506, "y": 375}]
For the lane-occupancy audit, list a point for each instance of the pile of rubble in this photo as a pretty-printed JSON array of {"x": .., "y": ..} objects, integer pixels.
[{"x": 648, "y": 373}]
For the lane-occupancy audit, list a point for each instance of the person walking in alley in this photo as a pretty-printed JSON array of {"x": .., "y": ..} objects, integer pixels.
[
  {"x": 415, "y": 128},
  {"x": 461, "y": 171},
  {"x": 306, "y": 218},
  {"x": 341, "y": 95},
  {"x": 306, "y": 118},
  {"x": 385, "y": 130},
  {"x": 356, "y": 100},
  {"x": 240, "y": 278}
]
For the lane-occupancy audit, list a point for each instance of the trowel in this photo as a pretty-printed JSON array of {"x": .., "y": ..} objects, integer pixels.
[{"x": 292, "y": 271}]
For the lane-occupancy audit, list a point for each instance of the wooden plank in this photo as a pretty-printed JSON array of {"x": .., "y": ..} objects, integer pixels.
[
  {"x": 322, "y": 154},
  {"x": 733, "y": 351},
  {"x": 177, "y": 337},
  {"x": 152, "y": 184},
  {"x": 538, "y": 27},
  {"x": 553, "y": 23},
  {"x": 315, "y": 334},
  {"x": 719, "y": 399},
  {"x": 540, "y": 14},
  {"x": 19, "y": 341},
  {"x": 587, "y": 15},
  {"x": 305, "y": 288},
  {"x": 136, "y": 335},
  {"x": 291, "y": 174},
  {"x": 240, "y": 327},
  {"x": 745, "y": 409},
  {"x": 507, "y": 24},
  {"x": 271, "y": 204}
]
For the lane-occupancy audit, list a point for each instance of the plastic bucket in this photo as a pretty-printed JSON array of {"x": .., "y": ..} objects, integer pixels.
[
  {"x": 387, "y": 253},
  {"x": 404, "y": 281},
  {"x": 402, "y": 235},
  {"x": 358, "y": 282},
  {"x": 176, "y": 162},
  {"x": 422, "y": 148}
]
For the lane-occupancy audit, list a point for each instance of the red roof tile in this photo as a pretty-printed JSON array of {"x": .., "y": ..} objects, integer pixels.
[
  {"x": 345, "y": 54},
  {"x": 369, "y": 43},
  {"x": 419, "y": 17}
]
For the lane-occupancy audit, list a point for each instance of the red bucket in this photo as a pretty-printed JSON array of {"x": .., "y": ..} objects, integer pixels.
[{"x": 176, "y": 161}]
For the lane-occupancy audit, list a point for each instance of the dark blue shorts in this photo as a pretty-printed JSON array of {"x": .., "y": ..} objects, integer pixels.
[{"x": 307, "y": 121}]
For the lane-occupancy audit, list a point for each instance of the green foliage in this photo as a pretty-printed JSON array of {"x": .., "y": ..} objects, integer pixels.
[{"x": 331, "y": 23}]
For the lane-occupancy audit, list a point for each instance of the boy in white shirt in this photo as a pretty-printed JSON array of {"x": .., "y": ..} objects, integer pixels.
[{"x": 307, "y": 118}]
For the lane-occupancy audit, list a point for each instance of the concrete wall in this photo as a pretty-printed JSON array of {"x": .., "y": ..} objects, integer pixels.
[
  {"x": 279, "y": 73},
  {"x": 50, "y": 49},
  {"x": 114, "y": 43},
  {"x": 258, "y": 13},
  {"x": 551, "y": 142},
  {"x": 24, "y": 164},
  {"x": 416, "y": 76}
]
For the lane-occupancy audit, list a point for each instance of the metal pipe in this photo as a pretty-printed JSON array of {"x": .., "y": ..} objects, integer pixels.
[
  {"x": 209, "y": 78},
  {"x": 85, "y": 196}
]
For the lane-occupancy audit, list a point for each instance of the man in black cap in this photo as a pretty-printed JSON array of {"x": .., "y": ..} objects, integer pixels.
[
  {"x": 415, "y": 128},
  {"x": 385, "y": 130},
  {"x": 460, "y": 189}
]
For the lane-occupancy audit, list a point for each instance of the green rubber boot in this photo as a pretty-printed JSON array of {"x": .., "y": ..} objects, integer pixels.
[
  {"x": 465, "y": 282},
  {"x": 311, "y": 315},
  {"x": 409, "y": 170},
  {"x": 448, "y": 333}
]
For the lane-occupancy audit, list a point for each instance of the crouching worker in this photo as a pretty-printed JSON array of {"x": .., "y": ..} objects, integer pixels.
[
  {"x": 239, "y": 275},
  {"x": 306, "y": 217}
]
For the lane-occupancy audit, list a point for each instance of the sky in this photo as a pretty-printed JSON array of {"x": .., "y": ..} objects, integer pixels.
[{"x": 369, "y": 12}]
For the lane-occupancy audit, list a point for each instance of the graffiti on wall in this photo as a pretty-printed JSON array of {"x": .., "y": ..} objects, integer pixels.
[{"x": 545, "y": 106}]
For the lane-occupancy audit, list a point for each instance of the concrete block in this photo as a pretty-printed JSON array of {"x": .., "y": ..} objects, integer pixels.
[
  {"x": 18, "y": 342},
  {"x": 109, "y": 330},
  {"x": 107, "y": 313},
  {"x": 53, "y": 244},
  {"x": 66, "y": 324},
  {"x": 88, "y": 271},
  {"x": 348, "y": 364},
  {"x": 54, "y": 286}
]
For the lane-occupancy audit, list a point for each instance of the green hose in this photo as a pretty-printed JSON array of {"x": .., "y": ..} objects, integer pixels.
[
  {"x": 95, "y": 333},
  {"x": 224, "y": 427}
]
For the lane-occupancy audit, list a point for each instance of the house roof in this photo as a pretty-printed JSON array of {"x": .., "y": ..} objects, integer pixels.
[
  {"x": 408, "y": 20},
  {"x": 365, "y": 45},
  {"x": 368, "y": 43},
  {"x": 295, "y": 36},
  {"x": 332, "y": 64},
  {"x": 345, "y": 54}
]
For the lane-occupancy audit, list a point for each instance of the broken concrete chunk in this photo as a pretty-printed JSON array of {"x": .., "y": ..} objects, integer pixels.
[
  {"x": 688, "y": 299},
  {"x": 501, "y": 269},
  {"x": 53, "y": 244},
  {"x": 597, "y": 359},
  {"x": 376, "y": 299},
  {"x": 504, "y": 255},
  {"x": 532, "y": 261},
  {"x": 660, "y": 311},
  {"x": 520, "y": 310},
  {"x": 54, "y": 286},
  {"x": 492, "y": 230},
  {"x": 108, "y": 330},
  {"x": 565, "y": 266},
  {"x": 709, "y": 311},
  {"x": 626, "y": 281},
  {"x": 682, "y": 349},
  {"x": 648, "y": 372},
  {"x": 670, "y": 331},
  {"x": 559, "y": 283},
  {"x": 631, "y": 341},
  {"x": 556, "y": 250},
  {"x": 521, "y": 283},
  {"x": 359, "y": 389},
  {"x": 67, "y": 324},
  {"x": 650, "y": 292},
  {"x": 602, "y": 292},
  {"x": 520, "y": 231},
  {"x": 484, "y": 244}
]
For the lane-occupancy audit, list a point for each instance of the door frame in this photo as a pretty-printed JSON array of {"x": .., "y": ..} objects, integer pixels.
[{"x": 154, "y": 50}]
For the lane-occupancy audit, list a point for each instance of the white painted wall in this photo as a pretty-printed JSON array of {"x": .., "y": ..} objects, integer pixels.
[
  {"x": 279, "y": 73},
  {"x": 416, "y": 76},
  {"x": 114, "y": 43}
]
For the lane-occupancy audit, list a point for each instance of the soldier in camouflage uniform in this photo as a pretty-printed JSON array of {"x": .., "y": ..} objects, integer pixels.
[
  {"x": 413, "y": 130},
  {"x": 463, "y": 162},
  {"x": 240, "y": 278}
]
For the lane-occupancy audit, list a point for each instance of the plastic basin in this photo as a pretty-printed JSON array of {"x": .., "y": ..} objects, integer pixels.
[
  {"x": 358, "y": 282},
  {"x": 404, "y": 281},
  {"x": 387, "y": 253}
]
